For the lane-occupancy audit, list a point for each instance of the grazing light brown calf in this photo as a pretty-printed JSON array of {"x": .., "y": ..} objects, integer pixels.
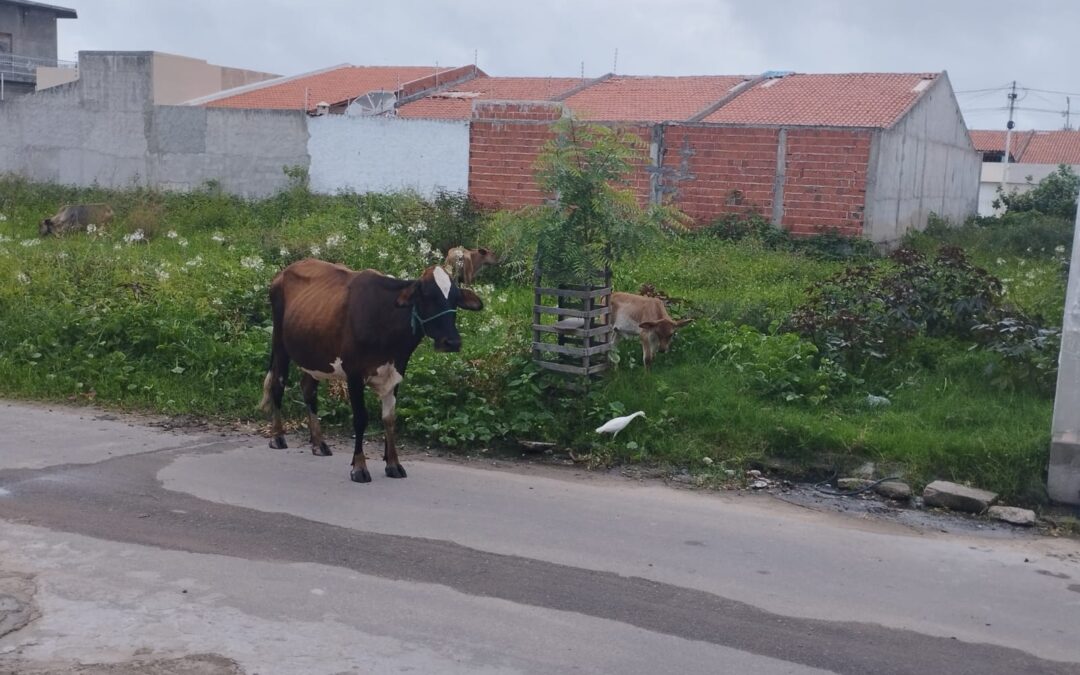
[
  {"x": 464, "y": 264},
  {"x": 73, "y": 217},
  {"x": 647, "y": 318}
]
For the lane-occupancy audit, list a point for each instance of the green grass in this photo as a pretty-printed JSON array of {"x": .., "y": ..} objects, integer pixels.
[{"x": 179, "y": 324}]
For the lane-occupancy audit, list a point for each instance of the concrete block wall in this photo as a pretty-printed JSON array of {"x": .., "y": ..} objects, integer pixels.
[{"x": 104, "y": 129}]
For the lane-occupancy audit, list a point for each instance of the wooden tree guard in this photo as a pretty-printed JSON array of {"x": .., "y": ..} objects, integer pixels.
[{"x": 571, "y": 333}]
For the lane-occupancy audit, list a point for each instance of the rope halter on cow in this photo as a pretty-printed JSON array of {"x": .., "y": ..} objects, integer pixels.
[{"x": 418, "y": 323}]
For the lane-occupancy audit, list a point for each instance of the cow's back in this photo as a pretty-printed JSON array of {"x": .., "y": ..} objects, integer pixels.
[{"x": 629, "y": 310}]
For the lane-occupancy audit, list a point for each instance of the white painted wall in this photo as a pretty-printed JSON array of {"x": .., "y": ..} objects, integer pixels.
[
  {"x": 386, "y": 154},
  {"x": 1017, "y": 180}
]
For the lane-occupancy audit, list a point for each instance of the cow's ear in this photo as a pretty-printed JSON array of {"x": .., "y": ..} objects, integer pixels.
[
  {"x": 470, "y": 301},
  {"x": 483, "y": 251},
  {"x": 682, "y": 322},
  {"x": 649, "y": 325},
  {"x": 405, "y": 297}
]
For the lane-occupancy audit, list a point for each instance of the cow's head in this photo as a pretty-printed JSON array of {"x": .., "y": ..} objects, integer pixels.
[
  {"x": 45, "y": 227},
  {"x": 487, "y": 256},
  {"x": 434, "y": 299},
  {"x": 662, "y": 331}
]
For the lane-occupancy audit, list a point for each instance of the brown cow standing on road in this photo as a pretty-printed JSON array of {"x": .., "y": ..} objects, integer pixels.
[{"x": 361, "y": 327}]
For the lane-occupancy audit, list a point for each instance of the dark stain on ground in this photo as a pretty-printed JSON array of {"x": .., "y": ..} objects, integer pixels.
[
  {"x": 1056, "y": 575},
  {"x": 694, "y": 542},
  {"x": 110, "y": 500},
  {"x": 1075, "y": 588}
]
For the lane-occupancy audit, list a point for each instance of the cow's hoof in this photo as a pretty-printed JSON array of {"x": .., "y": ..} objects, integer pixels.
[
  {"x": 393, "y": 471},
  {"x": 321, "y": 450},
  {"x": 361, "y": 476},
  {"x": 278, "y": 443}
]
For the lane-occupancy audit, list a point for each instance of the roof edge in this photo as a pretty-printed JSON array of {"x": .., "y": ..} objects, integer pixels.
[
  {"x": 255, "y": 86},
  {"x": 582, "y": 87},
  {"x": 472, "y": 72},
  {"x": 60, "y": 12},
  {"x": 746, "y": 85},
  {"x": 939, "y": 76}
]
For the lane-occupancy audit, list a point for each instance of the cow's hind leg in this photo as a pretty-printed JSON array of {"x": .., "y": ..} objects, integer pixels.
[
  {"x": 359, "y": 472},
  {"x": 273, "y": 393},
  {"x": 310, "y": 387}
]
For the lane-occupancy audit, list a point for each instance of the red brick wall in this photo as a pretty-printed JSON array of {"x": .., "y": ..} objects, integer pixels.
[
  {"x": 825, "y": 180},
  {"x": 709, "y": 171},
  {"x": 504, "y": 141}
]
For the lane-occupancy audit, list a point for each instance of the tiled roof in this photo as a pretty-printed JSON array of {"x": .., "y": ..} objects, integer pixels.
[
  {"x": 1052, "y": 147},
  {"x": 842, "y": 100},
  {"x": 1032, "y": 147},
  {"x": 332, "y": 85},
  {"x": 650, "y": 99},
  {"x": 456, "y": 102}
]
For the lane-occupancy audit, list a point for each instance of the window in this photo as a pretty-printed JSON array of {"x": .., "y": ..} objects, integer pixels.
[{"x": 5, "y": 43}]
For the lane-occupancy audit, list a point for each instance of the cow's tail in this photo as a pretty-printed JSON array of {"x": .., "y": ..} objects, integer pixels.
[{"x": 268, "y": 383}]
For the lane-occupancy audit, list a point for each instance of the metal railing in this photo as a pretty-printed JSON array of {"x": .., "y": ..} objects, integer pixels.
[{"x": 19, "y": 68}]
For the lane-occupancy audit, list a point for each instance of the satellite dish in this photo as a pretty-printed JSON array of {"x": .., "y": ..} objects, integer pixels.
[{"x": 371, "y": 104}]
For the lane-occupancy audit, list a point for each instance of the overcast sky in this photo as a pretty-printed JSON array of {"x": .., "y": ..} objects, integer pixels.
[{"x": 983, "y": 44}]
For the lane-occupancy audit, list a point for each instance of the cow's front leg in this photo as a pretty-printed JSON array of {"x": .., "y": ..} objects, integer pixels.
[
  {"x": 389, "y": 418},
  {"x": 647, "y": 349},
  {"x": 359, "y": 472},
  {"x": 310, "y": 387}
]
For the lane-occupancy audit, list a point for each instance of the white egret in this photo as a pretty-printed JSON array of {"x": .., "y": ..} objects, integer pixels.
[{"x": 616, "y": 425}]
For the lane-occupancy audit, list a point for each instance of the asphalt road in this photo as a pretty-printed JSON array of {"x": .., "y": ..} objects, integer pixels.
[{"x": 128, "y": 549}]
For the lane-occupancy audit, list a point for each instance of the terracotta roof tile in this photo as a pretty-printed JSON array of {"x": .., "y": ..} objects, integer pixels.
[
  {"x": 333, "y": 86},
  {"x": 456, "y": 102},
  {"x": 1052, "y": 147},
  {"x": 650, "y": 99},
  {"x": 842, "y": 100}
]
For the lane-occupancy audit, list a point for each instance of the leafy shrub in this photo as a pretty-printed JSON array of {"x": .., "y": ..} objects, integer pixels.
[
  {"x": 1029, "y": 351},
  {"x": 866, "y": 313},
  {"x": 1055, "y": 195}
]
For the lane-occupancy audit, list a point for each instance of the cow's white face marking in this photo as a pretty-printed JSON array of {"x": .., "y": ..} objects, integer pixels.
[
  {"x": 336, "y": 372},
  {"x": 443, "y": 280}
]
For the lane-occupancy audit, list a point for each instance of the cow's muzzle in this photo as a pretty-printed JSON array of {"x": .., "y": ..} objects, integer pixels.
[{"x": 448, "y": 344}]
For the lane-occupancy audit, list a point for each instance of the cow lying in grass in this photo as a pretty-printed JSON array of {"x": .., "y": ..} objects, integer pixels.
[
  {"x": 464, "y": 264},
  {"x": 360, "y": 327},
  {"x": 647, "y": 318},
  {"x": 75, "y": 217}
]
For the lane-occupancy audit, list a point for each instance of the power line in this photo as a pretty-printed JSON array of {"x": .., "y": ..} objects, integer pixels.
[{"x": 976, "y": 91}]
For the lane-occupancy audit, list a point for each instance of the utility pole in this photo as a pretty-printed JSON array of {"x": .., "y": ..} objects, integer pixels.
[
  {"x": 1068, "y": 114},
  {"x": 615, "y": 63},
  {"x": 1008, "y": 137}
]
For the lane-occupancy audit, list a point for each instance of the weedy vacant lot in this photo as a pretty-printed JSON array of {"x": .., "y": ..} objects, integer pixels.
[{"x": 938, "y": 361}]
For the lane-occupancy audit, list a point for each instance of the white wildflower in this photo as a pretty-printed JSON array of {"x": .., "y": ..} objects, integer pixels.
[
  {"x": 23, "y": 278},
  {"x": 383, "y": 255},
  {"x": 1022, "y": 262},
  {"x": 135, "y": 236},
  {"x": 216, "y": 301},
  {"x": 183, "y": 242},
  {"x": 197, "y": 261},
  {"x": 218, "y": 237},
  {"x": 335, "y": 240},
  {"x": 4, "y": 239},
  {"x": 253, "y": 262},
  {"x": 363, "y": 225},
  {"x": 30, "y": 242},
  {"x": 232, "y": 247},
  {"x": 1059, "y": 249},
  {"x": 62, "y": 255},
  {"x": 403, "y": 274},
  {"x": 1001, "y": 261},
  {"x": 3, "y": 218},
  {"x": 91, "y": 228},
  {"x": 315, "y": 250},
  {"x": 424, "y": 247},
  {"x": 171, "y": 234},
  {"x": 162, "y": 275},
  {"x": 117, "y": 247},
  {"x": 502, "y": 297},
  {"x": 283, "y": 252},
  {"x": 375, "y": 218},
  {"x": 1030, "y": 274}
]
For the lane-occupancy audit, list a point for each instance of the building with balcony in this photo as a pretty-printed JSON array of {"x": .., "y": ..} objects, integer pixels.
[{"x": 28, "y": 42}]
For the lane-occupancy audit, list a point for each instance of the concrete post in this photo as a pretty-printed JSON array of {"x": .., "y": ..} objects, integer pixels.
[{"x": 1063, "y": 476}]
